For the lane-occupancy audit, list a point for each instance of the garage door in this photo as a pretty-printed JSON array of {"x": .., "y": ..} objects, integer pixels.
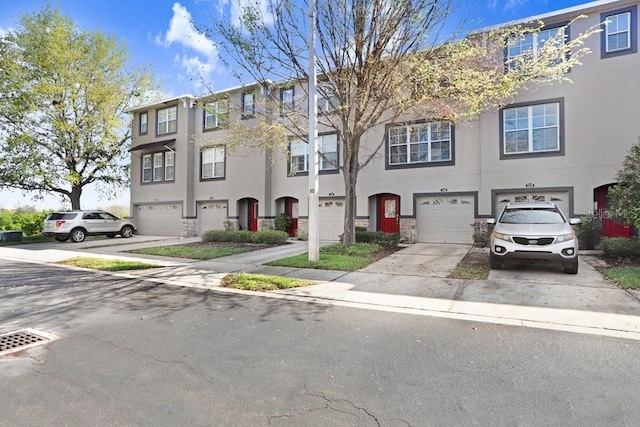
[
  {"x": 331, "y": 218},
  {"x": 445, "y": 219},
  {"x": 159, "y": 219},
  {"x": 560, "y": 198},
  {"x": 211, "y": 216}
]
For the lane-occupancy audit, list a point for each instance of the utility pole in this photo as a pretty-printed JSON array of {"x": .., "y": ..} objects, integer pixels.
[{"x": 313, "y": 156}]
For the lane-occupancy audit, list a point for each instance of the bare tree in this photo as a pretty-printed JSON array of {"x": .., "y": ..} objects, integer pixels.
[{"x": 382, "y": 60}]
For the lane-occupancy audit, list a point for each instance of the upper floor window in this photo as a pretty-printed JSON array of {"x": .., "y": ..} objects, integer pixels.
[
  {"x": 327, "y": 147},
  {"x": 286, "y": 100},
  {"x": 327, "y": 101},
  {"x": 619, "y": 36},
  {"x": 216, "y": 114},
  {"x": 248, "y": 104},
  {"x": 212, "y": 163},
  {"x": 143, "y": 122},
  {"x": 419, "y": 144},
  {"x": 158, "y": 167},
  {"x": 167, "y": 120},
  {"x": 528, "y": 46},
  {"x": 532, "y": 130}
]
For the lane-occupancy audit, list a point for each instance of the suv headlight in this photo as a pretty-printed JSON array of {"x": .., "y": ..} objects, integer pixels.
[
  {"x": 565, "y": 237},
  {"x": 501, "y": 236}
]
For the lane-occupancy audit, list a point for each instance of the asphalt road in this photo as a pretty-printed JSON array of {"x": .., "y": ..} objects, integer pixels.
[{"x": 138, "y": 354}]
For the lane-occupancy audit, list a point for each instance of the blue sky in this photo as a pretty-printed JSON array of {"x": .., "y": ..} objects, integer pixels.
[{"x": 161, "y": 35}]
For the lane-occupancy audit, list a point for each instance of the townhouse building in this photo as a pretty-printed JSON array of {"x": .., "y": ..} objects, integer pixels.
[{"x": 562, "y": 143}]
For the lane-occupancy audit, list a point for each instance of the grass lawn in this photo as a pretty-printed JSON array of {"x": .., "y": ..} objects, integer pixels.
[
  {"x": 337, "y": 257},
  {"x": 261, "y": 282},
  {"x": 191, "y": 251},
  {"x": 106, "y": 264},
  {"x": 625, "y": 277}
]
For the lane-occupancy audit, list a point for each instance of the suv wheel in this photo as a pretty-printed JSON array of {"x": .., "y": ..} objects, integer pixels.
[
  {"x": 78, "y": 235},
  {"x": 571, "y": 268},
  {"x": 127, "y": 231},
  {"x": 494, "y": 262}
]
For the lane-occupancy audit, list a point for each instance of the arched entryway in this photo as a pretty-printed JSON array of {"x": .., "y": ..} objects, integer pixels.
[
  {"x": 387, "y": 212},
  {"x": 289, "y": 207},
  {"x": 248, "y": 214}
]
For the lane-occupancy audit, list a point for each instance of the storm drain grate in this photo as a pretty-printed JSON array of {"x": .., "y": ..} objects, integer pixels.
[{"x": 20, "y": 340}]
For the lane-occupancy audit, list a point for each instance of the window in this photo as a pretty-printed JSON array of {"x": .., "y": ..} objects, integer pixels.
[
  {"x": 144, "y": 119},
  {"x": 169, "y": 166},
  {"x": 248, "y": 104},
  {"x": 216, "y": 114},
  {"x": 619, "y": 33},
  {"x": 420, "y": 144},
  {"x": 212, "y": 163},
  {"x": 327, "y": 101},
  {"x": 528, "y": 46},
  {"x": 327, "y": 146},
  {"x": 286, "y": 100},
  {"x": 167, "y": 120},
  {"x": 532, "y": 130},
  {"x": 158, "y": 167}
]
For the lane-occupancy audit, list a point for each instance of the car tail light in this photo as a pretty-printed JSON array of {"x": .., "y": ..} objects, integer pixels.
[{"x": 59, "y": 223}]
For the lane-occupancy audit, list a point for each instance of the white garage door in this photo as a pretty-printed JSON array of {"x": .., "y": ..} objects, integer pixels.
[
  {"x": 211, "y": 216},
  {"x": 331, "y": 218},
  {"x": 159, "y": 219},
  {"x": 560, "y": 198},
  {"x": 445, "y": 219}
]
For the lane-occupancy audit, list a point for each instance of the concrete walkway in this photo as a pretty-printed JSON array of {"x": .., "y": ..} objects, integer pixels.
[{"x": 414, "y": 280}]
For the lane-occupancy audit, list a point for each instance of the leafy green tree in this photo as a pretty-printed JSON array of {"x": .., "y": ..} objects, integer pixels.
[
  {"x": 382, "y": 61},
  {"x": 624, "y": 198},
  {"x": 63, "y": 92}
]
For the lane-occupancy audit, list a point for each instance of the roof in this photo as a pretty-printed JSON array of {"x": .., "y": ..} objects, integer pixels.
[
  {"x": 556, "y": 13},
  {"x": 183, "y": 98}
]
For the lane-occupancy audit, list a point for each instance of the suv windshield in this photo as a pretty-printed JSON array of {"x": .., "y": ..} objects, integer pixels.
[{"x": 531, "y": 216}]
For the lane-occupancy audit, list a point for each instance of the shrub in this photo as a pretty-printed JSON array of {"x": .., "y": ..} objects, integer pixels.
[
  {"x": 589, "y": 232},
  {"x": 269, "y": 237},
  {"x": 386, "y": 240},
  {"x": 480, "y": 234},
  {"x": 621, "y": 247},
  {"x": 283, "y": 222}
]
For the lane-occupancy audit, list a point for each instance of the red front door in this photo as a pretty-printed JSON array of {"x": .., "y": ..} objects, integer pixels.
[
  {"x": 389, "y": 214},
  {"x": 610, "y": 228},
  {"x": 291, "y": 209},
  {"x": 253, "y": 215}
]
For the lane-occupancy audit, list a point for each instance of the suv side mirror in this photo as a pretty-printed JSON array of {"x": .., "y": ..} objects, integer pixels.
[
  {"x": 491, "y": 221},
  {"x": 574, "y": 221}
]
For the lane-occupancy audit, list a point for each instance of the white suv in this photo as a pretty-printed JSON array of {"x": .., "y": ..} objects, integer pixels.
[
  {"x": 79, "y": 224},
  {"x": 536, "y": 231}
]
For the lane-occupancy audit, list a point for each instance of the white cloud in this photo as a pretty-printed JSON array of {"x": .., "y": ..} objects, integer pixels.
[{"x": 201, "y": 59}]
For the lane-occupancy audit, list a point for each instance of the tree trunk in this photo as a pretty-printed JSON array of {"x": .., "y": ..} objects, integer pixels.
[
  {"x": 349, "y": 232},
  {"x": 350, "y": 172},
  {"x": 76, "y": 192}
]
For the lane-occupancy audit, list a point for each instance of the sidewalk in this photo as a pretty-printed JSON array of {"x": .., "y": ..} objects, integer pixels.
[{"x": 412, "y": 281}]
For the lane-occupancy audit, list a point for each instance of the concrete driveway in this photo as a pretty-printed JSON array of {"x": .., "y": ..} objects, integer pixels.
[{"x": 421, "y": 259}]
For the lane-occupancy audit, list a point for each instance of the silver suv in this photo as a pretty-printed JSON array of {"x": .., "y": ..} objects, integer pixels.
[
  {"x": 76, "y": 225},
  {"x": 536, "y": 231}
]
